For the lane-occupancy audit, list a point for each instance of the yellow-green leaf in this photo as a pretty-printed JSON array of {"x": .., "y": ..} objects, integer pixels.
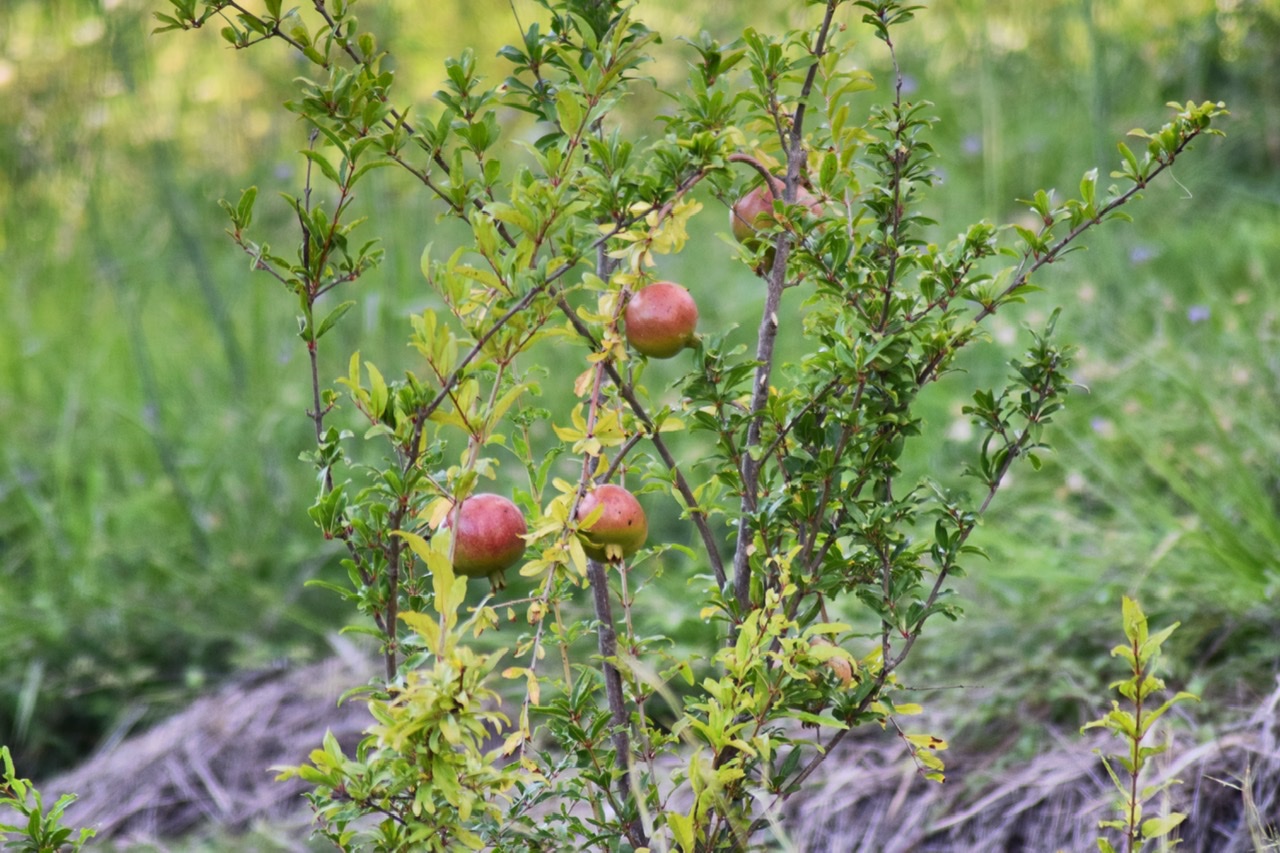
[
  {"x": 682, "y": 829},
  {"x": 377, "y": 391},
  {"x": 929, "y": 742},
  {"x": 1163, "y": 825},
  {"x": 426, "y": 627}
]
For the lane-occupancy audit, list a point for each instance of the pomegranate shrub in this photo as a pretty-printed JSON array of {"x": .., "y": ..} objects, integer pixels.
[{"x": 819, "y": 566}]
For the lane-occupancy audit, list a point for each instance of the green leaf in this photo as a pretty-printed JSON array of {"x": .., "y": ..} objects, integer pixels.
[
  {"x": 244, "y": 208},
  {"x": 378, "y": 394},
  {"x": 316, "y": 583},
  {"x": 323, "y": 162},
  {"x": 824, "y": 720},
  {"x": 1152, "y": 644},
  {"x": 367, "y": 168},
  {"x": 1159, "y": 826},
  {"x": 366, "y": 630},
  {"x": 170, "y": 24},
  {"x": 333, "y": 317},
  {"x": 424, "y": 262},
  {"x": 1130, "y": 159},
  {"x": 568, "y": 111},
  {"x": 1135, "y": 621},
  {"x": 1150, "y": 717}
]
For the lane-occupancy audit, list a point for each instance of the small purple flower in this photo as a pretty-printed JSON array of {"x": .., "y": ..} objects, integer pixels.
[
  {"x": 1141, "y": 254},
  {"x": 1198, "y": 313},
  {"x": 1103, "y": 427}
]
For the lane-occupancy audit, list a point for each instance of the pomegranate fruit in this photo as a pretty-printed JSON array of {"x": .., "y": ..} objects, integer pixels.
[
  {"x": 488, "y": 539},
  {"x": 621, "y": 528},
  {"x": 755, "y": 209},
  {"x": 661, "y": 319}
]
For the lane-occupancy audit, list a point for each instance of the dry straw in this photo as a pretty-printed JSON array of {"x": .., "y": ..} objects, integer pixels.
[{"x": 208, "y": 768}]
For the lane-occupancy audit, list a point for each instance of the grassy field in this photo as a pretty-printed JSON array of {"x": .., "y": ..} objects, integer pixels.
[{"x": 153, "y": 535}]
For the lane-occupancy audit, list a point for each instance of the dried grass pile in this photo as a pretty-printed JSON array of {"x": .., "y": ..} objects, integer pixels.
[
  {"x": 870, "y": 800},
  {"x": 210, "y": 764},
  {"x": 209, "y": 767}
]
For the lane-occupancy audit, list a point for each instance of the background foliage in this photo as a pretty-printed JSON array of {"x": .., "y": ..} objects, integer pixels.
[{"x": 152, "y": 525}]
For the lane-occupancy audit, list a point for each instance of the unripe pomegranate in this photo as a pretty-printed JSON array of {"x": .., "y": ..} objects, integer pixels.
[
  {"x": 839, "y": 666},
  {"x": 488, "y": 539},
  {"x": 661, "y": 319},
  {"x": 621, "y": 523}
]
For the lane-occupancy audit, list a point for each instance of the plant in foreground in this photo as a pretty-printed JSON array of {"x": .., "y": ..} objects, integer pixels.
[
  {"x": 1133, "y": 725},
  {"x": 36, "y": 830},
  {"x": 819, "y": 563}
]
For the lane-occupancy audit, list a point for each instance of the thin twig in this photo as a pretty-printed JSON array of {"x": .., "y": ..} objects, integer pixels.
[{"x": 767, "y": 334}]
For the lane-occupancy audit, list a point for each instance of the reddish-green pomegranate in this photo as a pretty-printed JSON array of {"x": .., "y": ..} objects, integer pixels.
[
  {"x": 755, "y": 209},
  {"x": 488, "y": 539},
  {"x": 661, "y": 319},
  {"x": 621, "y": 523}
]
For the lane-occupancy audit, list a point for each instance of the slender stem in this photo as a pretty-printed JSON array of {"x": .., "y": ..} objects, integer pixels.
[
  {"x": 1014, "y": 451},
  {"x": 767, "y": 334},
  {"x": 898, "y": 156},
  {"x": 619, "y": 718},
  {"x": 1054, "y": 251},
  {"x": 535, "y": 652},
  {"x": 1133, "y": 829}
]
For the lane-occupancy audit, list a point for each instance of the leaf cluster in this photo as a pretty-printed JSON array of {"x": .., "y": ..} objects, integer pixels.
[
  {"x": 38, "y": 830},
  {"x": 1133, "y": 725}
]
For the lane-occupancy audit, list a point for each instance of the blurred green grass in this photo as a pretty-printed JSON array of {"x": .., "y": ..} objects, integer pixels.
[{"x": 153, "y": 534}]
